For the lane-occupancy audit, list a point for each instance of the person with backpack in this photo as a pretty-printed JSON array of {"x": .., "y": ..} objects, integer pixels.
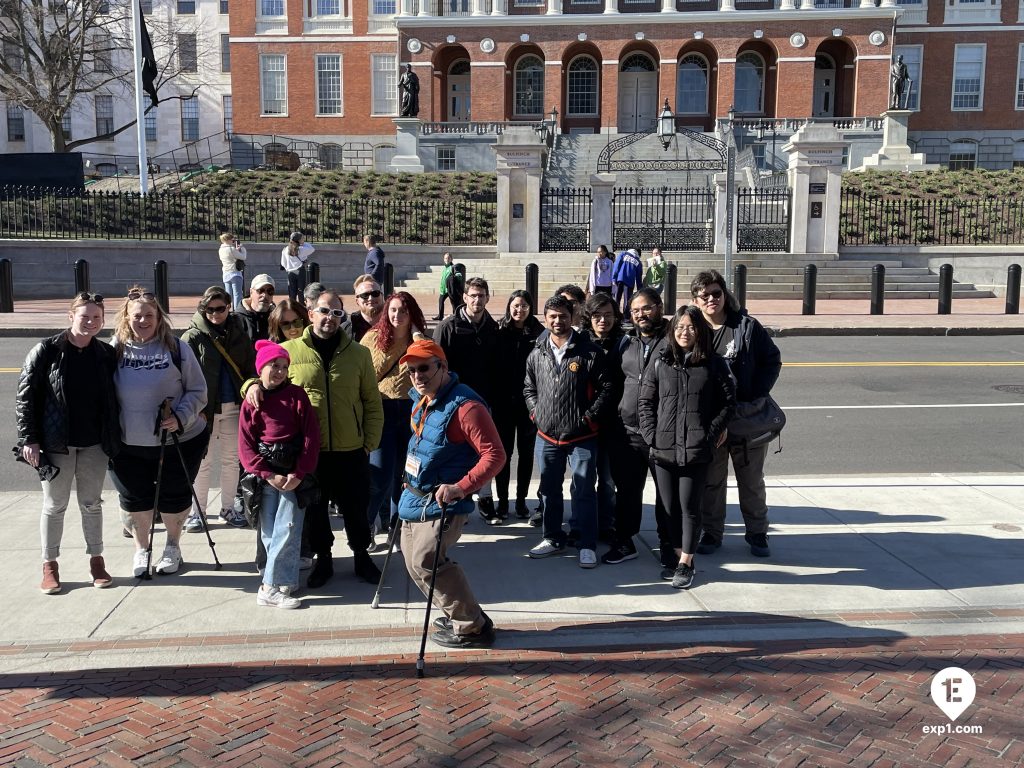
[
  {"x": 627, "y": 276},
  {"x": 293, "y": 261}
]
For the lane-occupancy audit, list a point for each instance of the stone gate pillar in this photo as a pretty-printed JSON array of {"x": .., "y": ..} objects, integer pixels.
[
  {"x": 815, "y": 177},
  {"x": 602, "y": 187},
  {"x": 519, "y": 153},
  {"x": 407, "y": 146}
]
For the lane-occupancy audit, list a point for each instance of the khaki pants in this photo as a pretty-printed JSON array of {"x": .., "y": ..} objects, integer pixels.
[
  {"x": 451, "y": 590},
  {"x": 748, "y": 466}
]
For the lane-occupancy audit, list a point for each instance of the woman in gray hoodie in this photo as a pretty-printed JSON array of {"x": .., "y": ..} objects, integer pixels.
[{"x": 161, "y": 391}]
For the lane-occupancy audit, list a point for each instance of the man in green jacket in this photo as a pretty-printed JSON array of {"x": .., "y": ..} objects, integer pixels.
[{"x": 338, "y": 376}]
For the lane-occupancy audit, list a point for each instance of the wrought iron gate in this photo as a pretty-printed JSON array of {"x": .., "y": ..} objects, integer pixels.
[
  {"x": 663, "y": 217},
  {"x": 565, "y": 219},
  {"x": 762, "y": 219}
]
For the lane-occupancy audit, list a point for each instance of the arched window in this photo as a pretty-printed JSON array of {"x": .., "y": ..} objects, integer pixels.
[
  {"x": 637, "y": 63},
  {"x": 749, "y": 92},
  {"x": 330, "y": 156},
  {"x": 460, "y": 67},
  {"x": 581, "y": 87},
  {"x": 692, "y": 86},
  {"x": 270, "y": 150},
  {"x": 529, "y": 87},
  {"x": 963, "y": 156}
]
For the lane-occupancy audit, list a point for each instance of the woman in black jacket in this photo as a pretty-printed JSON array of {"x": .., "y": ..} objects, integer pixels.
[
  {"x": 685, "y": 404},
  {"x": 68, "y": 428}
]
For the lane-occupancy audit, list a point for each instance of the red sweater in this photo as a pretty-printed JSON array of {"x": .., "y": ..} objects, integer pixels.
[
  {"x": 285, "y": 414},
  {"x": 473, "y": 424}
]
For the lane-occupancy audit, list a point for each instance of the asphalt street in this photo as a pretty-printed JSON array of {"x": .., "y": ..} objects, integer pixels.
[{"x": 855, "y": 405}]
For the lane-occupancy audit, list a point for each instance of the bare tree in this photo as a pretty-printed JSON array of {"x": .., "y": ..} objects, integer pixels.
[{"x": 55, "y": 52}]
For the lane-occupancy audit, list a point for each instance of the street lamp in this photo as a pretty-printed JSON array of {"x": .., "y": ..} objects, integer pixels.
[
  {"x": 730, "y": 188},
  {"x": 666, "y": 126}
]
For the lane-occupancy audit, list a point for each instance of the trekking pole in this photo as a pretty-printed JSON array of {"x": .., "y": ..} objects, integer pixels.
[
  {"x": 156, "y": 505},
  {"x": 199, "y": 506},
  {"x": 430, "y": 593},
  {"x": 391, "y": 548}
]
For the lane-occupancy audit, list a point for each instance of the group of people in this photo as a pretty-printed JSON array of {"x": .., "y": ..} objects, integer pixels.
[
  {"x": 619, "y": 276},
  {"x": 305, "y": 407}
]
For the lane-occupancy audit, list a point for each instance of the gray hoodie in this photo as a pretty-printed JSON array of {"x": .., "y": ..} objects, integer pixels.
[{"x": 145, "y": 376}]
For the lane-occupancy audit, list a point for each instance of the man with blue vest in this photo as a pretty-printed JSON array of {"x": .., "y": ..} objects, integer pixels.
[{"x": 454, "y": 450}]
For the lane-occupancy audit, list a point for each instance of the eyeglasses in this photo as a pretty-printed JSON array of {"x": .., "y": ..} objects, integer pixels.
[
  {"x": 136, "y": 295},
  {"x": 216, "y": 310},
  {"x": 368, "y": 295},
  {"x": 329, "y": 311},
  {"x": 477, "y": 296},
  {"x": 95, "y": 298},
  {"x": 420, "y": 369},
  {"x": 266, "y": 289},
  {"x": 296, "y": 323},
  {"x": 715, "y": 294},
  {"x": 642, "y": 310}
]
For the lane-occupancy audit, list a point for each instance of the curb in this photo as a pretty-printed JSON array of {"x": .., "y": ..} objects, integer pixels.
[{"x": 778, "y": 332}]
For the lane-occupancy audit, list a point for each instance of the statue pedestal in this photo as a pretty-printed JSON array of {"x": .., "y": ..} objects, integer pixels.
[
  {"x": 407, "y": 146},
  {"x": 895, "y": 153},
  {"x": 519, "y": 154}
]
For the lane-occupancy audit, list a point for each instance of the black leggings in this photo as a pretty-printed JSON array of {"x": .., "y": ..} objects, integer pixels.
[
  {"x": 682, "y": 489},
  {"x": 509, "y": 426}
]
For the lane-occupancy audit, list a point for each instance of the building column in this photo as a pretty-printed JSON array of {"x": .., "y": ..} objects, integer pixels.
[
  {"x": 499, "y": 7},
  {"x": 867, "y": 3},
  {"x": 406, "y": 9},
  {"x": 602, "y": 187},
  {"x": 787, "y": 5},
  {"x": 668, "y": 6},
  {"x": 478, "y": 8},
  {"x": 806, "y": 5},
  {"x": 611, "y": 6},
  {"x": 728, "y": 5},
  {"x": 426, "y": 8},
  {"x": 554, "y": 7}
]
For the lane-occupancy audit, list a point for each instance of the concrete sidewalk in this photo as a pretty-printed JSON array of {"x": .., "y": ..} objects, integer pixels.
[{"x": 852, "y": 558}]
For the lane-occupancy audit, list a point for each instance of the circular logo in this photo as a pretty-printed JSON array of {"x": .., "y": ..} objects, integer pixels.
[
  {"x": 574, "y": 366},
  {"x": 414, "y": 45},
  {"x": 798, "y": 40},
  {"x": 487, "y": 45},
  {"x": 877, "y": 37}
]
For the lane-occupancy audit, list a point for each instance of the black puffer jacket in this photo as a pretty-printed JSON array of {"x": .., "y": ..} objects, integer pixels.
[
  {"x": 514, "y": 346},
  {"x": 471, "y": 351},
  {"x": 235, "y": 341},
  {"x": 634, "y": 366},
  {"x": 41, "y": 407},
  {"x": 684, "y": 408},
  {"x": 754, "y": 359},
  {"x": 568, "y": 402}
]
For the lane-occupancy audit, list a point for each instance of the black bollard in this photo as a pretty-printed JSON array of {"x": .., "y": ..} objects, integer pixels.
[
  {"x": 81, "y": 276},
  {"x": 671, "y": 295},
  {"x": 533, "y": 285},
  {"x": 739, "y": 284},
  {"x": 1013, "y": 289},
  {"x": 312, "y": 272},
  {"x": 810, "y": 289},
  {"x": 389, "y": 279},
  {"x": 160, "y": 285},
  {"x": 946, "y": 289},
  {"x": 878, "y": 289},
  {"x": 6, "y": 286}
]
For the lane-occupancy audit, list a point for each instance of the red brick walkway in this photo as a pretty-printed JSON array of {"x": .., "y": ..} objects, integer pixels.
[{"x": 847, "y": 703}]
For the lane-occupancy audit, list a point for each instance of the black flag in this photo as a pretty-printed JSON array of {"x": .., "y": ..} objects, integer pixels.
[{"x": 149, "y": 70}]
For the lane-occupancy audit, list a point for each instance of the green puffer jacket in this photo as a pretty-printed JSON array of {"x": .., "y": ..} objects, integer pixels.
[
  {"x": 345, "y": 397},
  {"x": 235, "y": 341}
]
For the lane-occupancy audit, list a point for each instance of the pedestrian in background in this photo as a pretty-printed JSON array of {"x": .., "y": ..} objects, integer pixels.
[
  {"x": 374, "y": 264},
  {"x": 600, "y": 280},
  {"x": 68, "y": 428},
  {"x": 628, "y": 275},
  {"x": 451, "y": 287},
  {"x": 685, "y": 406},
  {"x": 293, "y": 261},
  {"x": 232, "y": 262},
  {"x": 657, "y": 267}
]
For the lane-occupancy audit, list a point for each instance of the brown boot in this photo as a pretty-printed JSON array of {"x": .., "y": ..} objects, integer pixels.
[
  {"x": 100, "y": 577},
  {"x": 51, "y": 579}
]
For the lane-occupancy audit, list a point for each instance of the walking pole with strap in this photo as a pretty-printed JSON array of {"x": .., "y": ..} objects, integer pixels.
[
  {"x": 430, "y": 594},
  {"x": 392, "y": 538},
  {"x": 202, "y": 516},
  {"x": 162, "y": 413}
]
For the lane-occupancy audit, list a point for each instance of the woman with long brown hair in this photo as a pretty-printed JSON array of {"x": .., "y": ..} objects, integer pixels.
[{"x": 288, "y": 319}]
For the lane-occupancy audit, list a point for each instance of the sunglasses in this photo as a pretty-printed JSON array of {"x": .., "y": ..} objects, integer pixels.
[
  {"x": 95, "y": 298},
  {"x": 216, "y": 310},
  {"x": 421, "y": 369},
  {"x": 716, "y": 294},
  {"x": 368, "y": 295},
  {"x": 265, "y": 289},
  {"x": 296, "y": 323},
  {"x": 328, "y": 311},
  {"x": 136, "y": 295}
]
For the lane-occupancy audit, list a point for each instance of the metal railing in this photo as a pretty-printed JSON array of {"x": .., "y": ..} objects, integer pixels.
[
  {"x": 666, "y": 217},
  {"x": 565, "y": 218},
  {"x": 762, "y": 219}
]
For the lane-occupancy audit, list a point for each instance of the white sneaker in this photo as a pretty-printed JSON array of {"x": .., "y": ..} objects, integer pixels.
[
  {"x": 291, "y": 591},
  {"x": 546, "y": 548},
  {"x": 275, "y": 598},
  {"x": 139, "y": 564},
  {"x": 169, "y": 561},
  {"x": 305, "y": 563},
  {"x": 588, "y": 558}
]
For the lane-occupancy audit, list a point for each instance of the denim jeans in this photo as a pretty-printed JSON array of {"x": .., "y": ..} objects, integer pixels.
[
  {"x": 281, "y": 532},
  {"x": 86, "y": 467},
  {"x": 233, "y": 285},
  {"x": 387, "y": 463},
  {"x": 582, "y": 458}
]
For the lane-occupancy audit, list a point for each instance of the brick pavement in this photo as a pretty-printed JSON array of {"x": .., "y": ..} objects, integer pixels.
[{"x": 848, "y": 702}]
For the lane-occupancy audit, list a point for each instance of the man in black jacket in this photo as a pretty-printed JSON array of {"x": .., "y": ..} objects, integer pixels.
[
  {"x": 568, "y": 393},
  {"x": 374, "y": 264},
  {"x": 255, "y": 311}
]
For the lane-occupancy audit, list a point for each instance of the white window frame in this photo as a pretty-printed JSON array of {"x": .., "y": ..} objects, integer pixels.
[
  {"x": 963, "y": 142},
  {"x": 597, "y": 86},
  {"x": 381, "y": 104},
  {"x": 314, "y": 22},
  {"x": 341, "y": 83},
  {"x": 973, "y": 12},
  {"x": 271, "y": 23},
  {"x": 283, "y": 99},
  {"x": 454, "y": 158},
  {"x": 981, "y": 81},
  {"x": 381, "y": 22},
  {"x": 914, "y": 97},
  {"x": 185, "y": 104},
  {"x": 1019, "y": 95},
  {"x": 915, "y": 12},
  {"x": 515, "y": 87}
]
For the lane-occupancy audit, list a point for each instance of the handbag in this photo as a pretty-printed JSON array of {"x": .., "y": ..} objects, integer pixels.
[
  {"x": 756, "y": 422},
  {"x": 240, "y": 265}
]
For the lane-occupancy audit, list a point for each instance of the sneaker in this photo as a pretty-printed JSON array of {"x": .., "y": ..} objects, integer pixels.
[
  {"x": 442, "y": 622},
  {"x": 275, "y": 598},
  {"x": 486, "y": 508},
  {"x": 522, "y": 511},
  {"x": 537, "y": 519},
  {"x": 365, "y": 568},
  {"x": 305, "y": 563},
  {"x": 169, "y": 561},
  {"x": 482, "y": 638},
  {"x": 758, "y": 544},
  {"x": 140, "y": 564},
  {"x": 620, "y": 553},
  {"x": 669, "y": 558},
  {"x": 667, "y": 574},
  {"x": 501, "y": 511},
  {"x": 322, "y": 571},
  {"x": 588, "y": 558},
  {"x": 194, "y": 523},
  {"x": 291, "y": 591},
  {"x": 708, "y": 543},
  {"x": 98, "y": 569},
  {"x": 683, "y": 576},
  {"x": 50, "y": 584},
  {"x": 234, "y": 518},
  {"x": 546, "y": 548},
  {"x": 607, "y": 536}
]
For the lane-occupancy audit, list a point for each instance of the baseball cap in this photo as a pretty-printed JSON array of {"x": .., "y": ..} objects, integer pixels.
[
  {"x": 423, "y": 349},
  {"x": 261, "y": 280}
]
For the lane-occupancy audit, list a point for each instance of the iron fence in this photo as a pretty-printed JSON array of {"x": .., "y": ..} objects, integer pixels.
[
  {"x": 38, "y": 213},
  {"x": 866, "y": 220},
  {"x": 663, "y": 217},
  {"x": 564, "y": 219},
  {"x": 762, "y": 219}
]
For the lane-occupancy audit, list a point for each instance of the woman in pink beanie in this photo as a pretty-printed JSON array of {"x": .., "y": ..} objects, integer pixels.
[{"x": 279, "y": 444}]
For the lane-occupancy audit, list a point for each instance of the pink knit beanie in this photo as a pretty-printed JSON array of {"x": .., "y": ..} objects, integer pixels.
[{"x": 267, "y": 351}]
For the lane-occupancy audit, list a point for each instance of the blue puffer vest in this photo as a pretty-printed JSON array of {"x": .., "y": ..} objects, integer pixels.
[{"x": 441, "y": 461}]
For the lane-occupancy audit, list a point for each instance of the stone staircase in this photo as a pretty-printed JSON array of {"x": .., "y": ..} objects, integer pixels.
[
  {"x": 769, "y": 276},
  {"x": 575, "y": 161}
]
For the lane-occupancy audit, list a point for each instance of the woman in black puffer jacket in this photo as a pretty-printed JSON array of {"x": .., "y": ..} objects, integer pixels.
[{"x": 685, "y": 404}]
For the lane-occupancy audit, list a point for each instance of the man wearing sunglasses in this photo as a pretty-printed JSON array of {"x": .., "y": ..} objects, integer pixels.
[
  {"x": 370, "y": 300},
  {"x": 255, "y": 310}
]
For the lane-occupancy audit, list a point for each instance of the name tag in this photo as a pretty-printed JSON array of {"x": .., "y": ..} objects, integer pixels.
[{"x": 412, "y": 466}]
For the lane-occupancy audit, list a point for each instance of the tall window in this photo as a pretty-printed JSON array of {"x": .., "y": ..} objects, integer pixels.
[
  {"x": 15, "y": 122},
  {"x": 328, "y": 84},
  {"x": 529, "y": 87},
  {"x": 749, "y": 93},
  {"x": 65, "y": 126},
  {"x": 963, "y": 156},
  {"x": 104, "y": 115},
  {"x": 150, "y": 124},
  {"x": 384, "y": 77},
  {"x": 968, "y": 77},
  {"x": 330, "y": 156},
  {"x": 188, "y": 56},
  {"x": 225, "y": 53},
  {"x": 147, "y": 6},
  {"x": 446, "y": 158},
  {"x": 273, "y": 85},
  {"x": 1020, "y": 76},
  {"x": 102, "y": 53},
  {"x": 692, "y": 85},
  {"x": 229, "y": 116},
  {"x": 187, "y": 6},
  {"x": 223, "y": 6},
  {"x": 190, "y": 119},
  {"x": 384, "y": 7},
  {"x": 582, "y": 86},
  {"x": 271, "y": 7},
  {"x": 912, "y": 58},
  {"x": 328, "y": 7}
]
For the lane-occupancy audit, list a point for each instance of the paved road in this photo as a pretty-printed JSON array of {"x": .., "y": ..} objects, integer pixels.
[{"x": 968, "y": 426}]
